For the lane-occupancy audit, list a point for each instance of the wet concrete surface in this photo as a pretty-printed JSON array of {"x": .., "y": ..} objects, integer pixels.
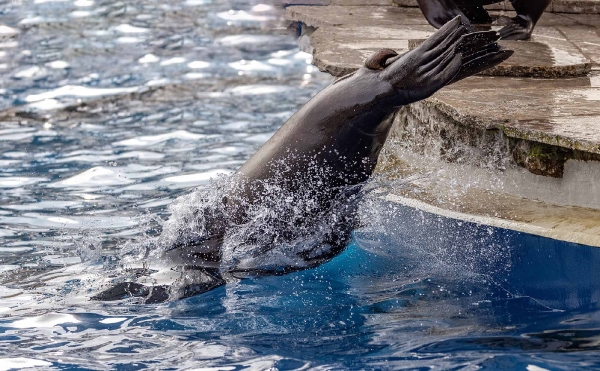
[{"x": 336, "y": 15}]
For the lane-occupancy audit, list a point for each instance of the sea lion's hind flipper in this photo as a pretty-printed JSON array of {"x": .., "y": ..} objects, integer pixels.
[
  {"x": 193, "y": 289},
  {"x": 124, "y": 290},
  {"x": 193, "y": 281}
]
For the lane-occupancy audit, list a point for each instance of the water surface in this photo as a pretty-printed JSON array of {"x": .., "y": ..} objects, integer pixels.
[{"x": 114, "y": 109}]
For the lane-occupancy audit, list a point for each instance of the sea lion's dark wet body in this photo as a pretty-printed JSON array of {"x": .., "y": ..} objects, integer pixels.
[
  {"x": 439, "y": 12},
  {"x": 322, "y": 156}
]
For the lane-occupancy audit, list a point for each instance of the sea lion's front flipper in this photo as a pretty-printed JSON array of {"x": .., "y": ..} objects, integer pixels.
[
  {"x": 450, "y": 54},
  {"x": 479, "y": 51}
]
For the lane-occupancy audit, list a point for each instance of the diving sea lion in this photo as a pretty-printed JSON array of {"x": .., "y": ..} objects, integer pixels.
[
  {"x": 438, "y": 12},
  {"x": 309, "y": 175}
]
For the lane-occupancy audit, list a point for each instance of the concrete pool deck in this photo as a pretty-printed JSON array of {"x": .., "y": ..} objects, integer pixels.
[{"x": 518, "y": 148}]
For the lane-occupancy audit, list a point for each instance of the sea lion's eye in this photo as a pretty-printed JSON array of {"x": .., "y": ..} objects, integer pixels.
[{"x": 378, "y": 59}]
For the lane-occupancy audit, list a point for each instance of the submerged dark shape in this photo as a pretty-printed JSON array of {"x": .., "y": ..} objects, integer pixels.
[
  {"x": 317, "y": 163},
  {"x": 439, "y": 12}
]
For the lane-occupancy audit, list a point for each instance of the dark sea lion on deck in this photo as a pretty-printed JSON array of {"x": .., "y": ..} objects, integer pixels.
[
  {"x": 302, "y": 186},
  {"x": 439, "y": 12}
]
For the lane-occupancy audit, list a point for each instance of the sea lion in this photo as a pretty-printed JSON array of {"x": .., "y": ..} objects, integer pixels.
[
  {"x": 300, "y": 190},
  {"x": 438, "y": 12}
]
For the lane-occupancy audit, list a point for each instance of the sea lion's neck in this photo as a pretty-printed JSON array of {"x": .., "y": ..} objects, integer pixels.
[{"x": 344, "y": 125}]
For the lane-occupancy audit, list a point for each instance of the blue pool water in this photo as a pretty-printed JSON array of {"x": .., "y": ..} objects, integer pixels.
[{"x": 114, "y": 109}]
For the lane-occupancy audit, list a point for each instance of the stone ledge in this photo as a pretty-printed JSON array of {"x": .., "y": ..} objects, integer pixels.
[
  {"x": 563, "y": 45},
  {"x": 341, "y": 50},
  {"x": 538, "y": 137},
  {"x": 319, "y": 16},
  {"x": 469, "y": 126},
  {"x": 505, "y": 199}
]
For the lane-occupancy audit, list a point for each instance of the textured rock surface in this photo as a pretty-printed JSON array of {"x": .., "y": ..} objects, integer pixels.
[
  {"x": 562, "y": 45},
  {"x": 537, "y": 124}
]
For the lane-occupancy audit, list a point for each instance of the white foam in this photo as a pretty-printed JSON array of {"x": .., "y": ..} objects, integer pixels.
[
  {"x": 126, "y": 28},
  {"x": 110, "y": 320},
  {"x": 194, "y": 76},
  {"x": 242, "y": 16},
  {"x": 149, "y": 140},
  {"x": 180, "y": 181},
  {"x": 196, "y": 177},
  {"x": 7, "y": 31},
  {"x": 21, "y": 362},
  {"x": 58, "y": 65},
  {"x": 88, "y": 222},
  {"x": 8, "y": 268},
  {"x": 91, "y": 156},
  {"x": 258, "y": 89},
  {"x": 129, "y": 40},
  {"x": 234, "y": 40},
  {"x": 45, "y": 205},
  {"x": 62, "y": 260},
  {"x": 78, "y": 91},
  {"x": 262, "y": 8},
  {"x": 15, "y": 136},
  {"x": 16, "y": 181},
  {"x": 196, "y": 2},
  {"x": 95, "y": 177},
  {"x": 198, "y": 64},
  {"x": 83, "y": 3},
  {"x": 80, "y": 14},
  {"x": 47, "y": 104},
  {"x": 535, "y": 368},
  {"x": 279, "y": 61},
  {"x": 44, "y": 321},
  {"x": 149, "y": 58},
  {"x": 30, "y": 72},
  {"x": 176, "y": 60},
  {"x": 250, "y": 66}
]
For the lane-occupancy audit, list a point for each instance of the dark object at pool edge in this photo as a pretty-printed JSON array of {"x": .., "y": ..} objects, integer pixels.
[{"x": 439, "y": 12}]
